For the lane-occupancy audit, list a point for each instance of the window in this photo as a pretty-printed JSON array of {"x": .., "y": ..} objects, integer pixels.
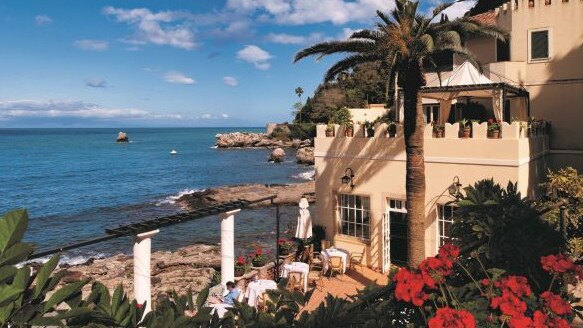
[
  {"x": 354, "y": 216},
  {"x": 502, "y": 50},
  {"x": 431, "y": 113},
  {"x": 539, "y": 45},
  {"x": 397, "y": 215},
  {"x": 444, "y": 223}
]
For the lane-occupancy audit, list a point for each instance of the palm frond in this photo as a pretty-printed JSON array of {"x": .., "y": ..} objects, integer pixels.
[
  {"x": 326, "y": 48},
  {"x": 367, "y": 34},
  {"x": 440, "y": 8}
]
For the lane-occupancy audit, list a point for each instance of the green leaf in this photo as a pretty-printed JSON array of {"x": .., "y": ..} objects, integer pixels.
[
  {"x": 12, "y": 227},
  {"x": 7, "y": 273},
  {"x": 42, "y": 278},
  {"x": 9, "y": 293},
  {"x": 64, "y": 293},
  {"x": 201, "y": 298},
  {"x": 15, "y": 254}
]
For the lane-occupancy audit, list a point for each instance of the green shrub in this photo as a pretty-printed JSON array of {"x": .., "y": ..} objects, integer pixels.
[
  {"x": 280, "y": 133},
  {"x": 302, "y": 131},
  {"x": 505, "y": 229},
  {"x": 341, "y": 116}
]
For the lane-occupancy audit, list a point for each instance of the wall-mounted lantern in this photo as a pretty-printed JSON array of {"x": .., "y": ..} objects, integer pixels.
[{"x": 348, "y": 177}]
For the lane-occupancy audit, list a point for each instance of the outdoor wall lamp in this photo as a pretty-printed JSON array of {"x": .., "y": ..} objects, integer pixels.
[
  {"x": 454, "y": 188},
  {"x": 348, "y": 178}
]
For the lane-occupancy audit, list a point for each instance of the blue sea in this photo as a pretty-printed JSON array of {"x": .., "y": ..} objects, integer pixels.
[{"x": 77, "y": 182}]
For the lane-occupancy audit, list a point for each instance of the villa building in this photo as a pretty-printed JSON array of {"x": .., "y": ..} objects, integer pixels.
[{"x": 360, "y": 179}]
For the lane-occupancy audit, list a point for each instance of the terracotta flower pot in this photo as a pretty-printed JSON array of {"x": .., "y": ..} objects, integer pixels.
[
  {"x": 329, "y": 133},
  {"x": 495, "y": 134},
  {"x": 439, "y": 134},
  {"x": 349, "y": 132},
  {"x": 239, "y": 273},
  {"x": 466, "y": 132}
]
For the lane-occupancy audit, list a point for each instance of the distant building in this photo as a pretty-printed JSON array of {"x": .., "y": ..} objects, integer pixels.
[{"x": 538, "y": 73}]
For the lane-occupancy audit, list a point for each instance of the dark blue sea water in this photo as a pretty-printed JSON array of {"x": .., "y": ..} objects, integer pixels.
[{"x": 77, "y": 182}]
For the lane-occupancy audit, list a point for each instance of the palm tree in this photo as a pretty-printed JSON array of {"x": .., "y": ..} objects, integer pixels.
[
  {"x": 299, "y": 92},
  {"x": 404, "y": 43}
]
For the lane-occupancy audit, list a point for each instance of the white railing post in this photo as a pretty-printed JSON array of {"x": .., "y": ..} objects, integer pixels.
[
  {"x": 142, "y": 275},
  {"x": 228, "y": 246}
]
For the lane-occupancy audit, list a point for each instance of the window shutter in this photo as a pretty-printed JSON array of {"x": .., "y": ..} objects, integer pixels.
[{"x": 539, "y": 45}]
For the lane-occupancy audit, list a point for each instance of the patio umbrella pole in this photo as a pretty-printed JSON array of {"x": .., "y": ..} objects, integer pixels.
[{"x": 277, "y": 242}]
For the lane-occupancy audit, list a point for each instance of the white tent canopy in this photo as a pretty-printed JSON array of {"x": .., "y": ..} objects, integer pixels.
[{"x": 466, "y": 81}]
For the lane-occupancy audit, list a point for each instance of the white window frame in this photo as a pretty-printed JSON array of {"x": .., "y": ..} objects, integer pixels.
[
  {"x": 441, "y": 221},
  {"x": 550, "y": 41},
  {"x": 354, "y": 209},
  {"x": 430, "y": 108},
  {"x": 393, "y": 209}
]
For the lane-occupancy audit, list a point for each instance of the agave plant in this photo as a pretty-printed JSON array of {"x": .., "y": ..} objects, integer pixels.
[{"x": 30, "y": 298}]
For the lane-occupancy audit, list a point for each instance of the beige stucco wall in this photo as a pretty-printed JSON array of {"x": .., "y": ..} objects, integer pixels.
[
  {"x": 379, "y": 168},
  {"x": 361, "y": 115}
]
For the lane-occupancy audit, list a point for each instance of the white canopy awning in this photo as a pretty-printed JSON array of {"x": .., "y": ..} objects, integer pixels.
[{"x": 466, "y": 81}]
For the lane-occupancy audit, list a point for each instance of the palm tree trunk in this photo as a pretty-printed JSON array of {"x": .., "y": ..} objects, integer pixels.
[{"x": 414, "y": 126}]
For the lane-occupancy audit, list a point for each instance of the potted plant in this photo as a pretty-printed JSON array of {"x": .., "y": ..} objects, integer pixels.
[
  {"x": 438, "y": 130},
  {"x": 369, "y": 127},
  {"x": 465, "y": 128},
  {"x": 494, "y": 129},
  {"x": 285, "y": 246},
  {"x": 240, "y": 266},
  {"x": 349, "y": 129},
  {"x": 330, "y": 130},
  {"x": 392, "y": 129},
  {"x": 258, "y": 258}
]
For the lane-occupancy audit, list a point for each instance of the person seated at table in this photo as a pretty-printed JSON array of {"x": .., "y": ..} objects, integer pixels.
[{"x": 231, "y": 296}]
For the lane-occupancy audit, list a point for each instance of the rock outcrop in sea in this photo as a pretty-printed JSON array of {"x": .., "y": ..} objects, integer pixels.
[
  {"x": 247, "y": 140},
  {"x": 277, "y": 155},
  {"x": 122, "y": 137},
  {"x": 305, "y": 156}
]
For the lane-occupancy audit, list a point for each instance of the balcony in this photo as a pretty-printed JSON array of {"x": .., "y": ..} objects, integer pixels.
[{"x": 518, "y": 143}]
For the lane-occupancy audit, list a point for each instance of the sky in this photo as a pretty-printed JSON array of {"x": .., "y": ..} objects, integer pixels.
[{"x": 185, "y": 63}]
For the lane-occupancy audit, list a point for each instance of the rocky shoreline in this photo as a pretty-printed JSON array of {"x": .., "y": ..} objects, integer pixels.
[
  {"x": 286, "y": 194},
  {"x": 191, "y": 267}
]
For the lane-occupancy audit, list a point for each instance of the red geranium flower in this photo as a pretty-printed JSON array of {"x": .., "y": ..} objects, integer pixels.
[
  {"x": 520, "y": 322},
  {"x": 556, "y": 303},
  {"x": 241, "y": 260},
  {"x": 449, "y": 251},
  {"x": 437, "y": 268},
  {"x": 542, "y": 320},
  {"x": 509, "y": 302},
  {"x": 410, "y": 287},
  {"x": 557, "y": 264},
  {"x": 450, "y": 318}
]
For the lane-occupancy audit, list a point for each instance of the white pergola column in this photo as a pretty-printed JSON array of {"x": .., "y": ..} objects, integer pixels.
[
  {"x": 228, "y": 246},
  {"x": 142, "y": 275}
]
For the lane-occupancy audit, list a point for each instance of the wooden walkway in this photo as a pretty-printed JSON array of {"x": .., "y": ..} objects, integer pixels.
[{"x": 343, "y": 286}]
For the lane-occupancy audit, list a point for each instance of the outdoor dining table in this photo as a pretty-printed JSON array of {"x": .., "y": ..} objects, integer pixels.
[
  {"x": 300, "y": 267},
  {"x": 256, "y": 288},
  {"x": 330, "y": 252}
]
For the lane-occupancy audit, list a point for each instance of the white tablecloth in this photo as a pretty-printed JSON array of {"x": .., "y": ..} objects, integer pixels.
[
  {"x": 301, "y": 267},
  {"x": 255, "y": 288},
  {"x": 327, "y": 253}
]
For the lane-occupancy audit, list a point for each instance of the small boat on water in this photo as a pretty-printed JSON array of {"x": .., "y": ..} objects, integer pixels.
[{"x": 173, "y": 152}]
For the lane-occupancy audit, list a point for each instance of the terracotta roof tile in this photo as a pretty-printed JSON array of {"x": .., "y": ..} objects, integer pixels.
[{"x": 487, "y": 18}]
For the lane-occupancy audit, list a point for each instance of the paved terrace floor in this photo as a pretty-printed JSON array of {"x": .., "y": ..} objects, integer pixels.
[{"x": 344, "y": 285}]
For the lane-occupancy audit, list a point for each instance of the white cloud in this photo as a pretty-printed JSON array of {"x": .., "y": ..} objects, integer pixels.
[
  {"x": 229, "y": 80},
  {"x": 299, "y": 12},
  {"x": 93, "y": 45},
  {"x": 79, "y": 109},
  {"x": 284, "y": 38},
  {"x": 42, "y": 20},
  {"x": 161, "y": 28},
  {"x": 209, "y": 116},
  {"x": 256, "y": 56},
  {"x": 178, "y": 78},
  {"x": 96, "y": 83},
  {"x": 458, "y": 9}
]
